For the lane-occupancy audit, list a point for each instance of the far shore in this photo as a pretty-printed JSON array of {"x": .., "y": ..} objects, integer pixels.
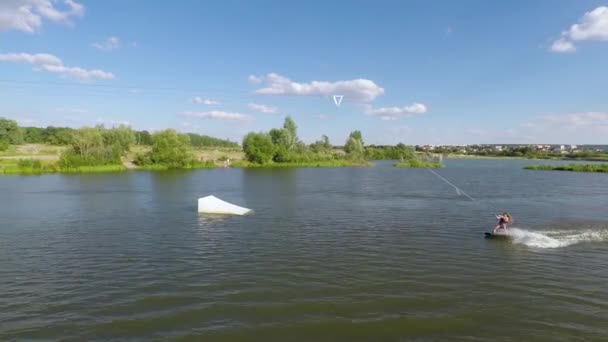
[{"x": 472, "y": 156}]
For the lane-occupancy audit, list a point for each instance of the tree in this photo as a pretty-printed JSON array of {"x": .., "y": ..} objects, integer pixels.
[
  {"x": 88, "y": 149},
  {"x": 120, "y": 137},
  {"x": 404, "y": 152},
  {"x": 258, "y": 147},
  {"x": 326, "y": 143},
  {"x": 280, "y": 137},
  {"x": 198, "y": 140},
  {"x": 354, "y": 145},
  {"x": 143, "y": 138},
  {"x": 292, "y": 132},
  {"x": 33, "y": 135},
  {"x": 10, "y": 132},
  {"x": 58, "y": 135},
  {"x": 88, "y": 142},
  {"x": 171, "y": 149},
  {"x": 321, "y": 146}
]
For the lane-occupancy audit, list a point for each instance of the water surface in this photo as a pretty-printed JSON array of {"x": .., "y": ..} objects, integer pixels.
[{"x": 330, "y": 254}]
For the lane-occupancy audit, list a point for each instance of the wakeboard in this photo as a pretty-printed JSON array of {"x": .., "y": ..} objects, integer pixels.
[{"x": 497, "y": 235}]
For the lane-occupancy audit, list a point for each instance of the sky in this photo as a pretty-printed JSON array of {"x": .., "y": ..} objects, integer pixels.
[{"x": 417, "y": 72}]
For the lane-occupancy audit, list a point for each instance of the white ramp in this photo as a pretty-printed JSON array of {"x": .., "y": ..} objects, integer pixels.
[{"x": 214, "y": 205}]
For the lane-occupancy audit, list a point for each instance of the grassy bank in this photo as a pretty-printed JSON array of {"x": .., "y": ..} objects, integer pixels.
[
  {"x": 570, "y": 167},
  {"x": 41, "y": 168},
  {"x": 161, "y": 167},
  {"x": 418, "y": 163},
  {"x": 324, "y": 163}
]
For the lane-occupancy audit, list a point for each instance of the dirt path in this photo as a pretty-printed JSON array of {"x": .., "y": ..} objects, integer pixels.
[{"x": 128, "y": 164}]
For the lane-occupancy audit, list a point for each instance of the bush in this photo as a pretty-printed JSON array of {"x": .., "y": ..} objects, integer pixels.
[
  {"x": 29, "y": 164},
  {"x": 258, "y": 148},
  {"x": 3, "y": 146},
  {"x": 170, "y": 150}
]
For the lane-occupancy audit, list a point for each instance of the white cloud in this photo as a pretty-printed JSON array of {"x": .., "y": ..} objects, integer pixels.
[
  {"x": 79, "y": 73},
  {"x": 37, "y": 59},
  {"x": 358, "y": 89},
  {"x": 200, "y": 100},
  {"x": 28, "y": 15},
  {"x": 253, "y": 79},
  {"x": 52, "y": 64},
  {"x": 218, "y": 115},
  {"x": 111, "y": 43},
  {"x": 592, "y": 26},
  {"x": 394, "y": 113},
  {"x": 563, "y": 45},
  {"x": 263, "y": 108}
]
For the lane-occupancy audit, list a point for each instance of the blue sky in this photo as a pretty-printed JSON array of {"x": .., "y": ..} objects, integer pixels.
[{"x": 418, "y": 72}]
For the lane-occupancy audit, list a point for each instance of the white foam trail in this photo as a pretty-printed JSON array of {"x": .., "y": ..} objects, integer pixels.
[{"x": 556, "y": 239}]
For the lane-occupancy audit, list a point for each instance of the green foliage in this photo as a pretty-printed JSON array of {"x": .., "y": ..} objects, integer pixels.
[
  {"x": 280, "y": 137},
  {"x": 354, "y": 146},
  {"x": 10, "y": 132},
  {"x": 281, "y": 154},
  {"x": 143, "y": 138},
  {"x": 3, "y": 146},
  {"x": 170, "y": 150},
  {"x": 281, "y": 147},
  {"x": 318, "y": 163},
  {"x": 33, "y": 135},
  {"x": 321, "y": 146},
  {"x": 292, "y": 132},
  {"x": 418, "y": 163},
  {"x": 55, "y": 168},
  {"x": 571, "y": 167},
  {"x": 92, "y": 146},
  {"x": 120, "y": 137},
  {"x": 398, "y": 152},
  {"x": 197, "y": 140},
  {"x": 58, "y": 135},
  {"x": 29, "y": 164},
  {"x": 258, "y": 147}
]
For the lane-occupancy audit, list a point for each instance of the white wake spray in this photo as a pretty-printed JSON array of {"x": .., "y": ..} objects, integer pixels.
[{"x": 556, "y": 239}]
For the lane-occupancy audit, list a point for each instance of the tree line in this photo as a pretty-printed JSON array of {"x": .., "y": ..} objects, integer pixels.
[
  {"x": 13, "y": 134},
  {"x": 282, "y": 145}
]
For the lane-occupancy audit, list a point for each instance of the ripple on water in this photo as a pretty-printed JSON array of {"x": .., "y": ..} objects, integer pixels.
[{"x": 373, "y": 254}]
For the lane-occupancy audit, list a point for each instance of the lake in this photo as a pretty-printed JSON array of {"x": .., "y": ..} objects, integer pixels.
[{"x": 374, "y": 254}]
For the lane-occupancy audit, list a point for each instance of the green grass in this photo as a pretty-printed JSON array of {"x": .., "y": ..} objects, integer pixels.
[
  {"x": 323, "y": 163},
  {"x": 418, "y": 163},
  {"x": 93, "y": 169},
  {"x": 163, "y": 167},
  {"x": 570, "y": 167},
  {"x": 37, "y": 167}
]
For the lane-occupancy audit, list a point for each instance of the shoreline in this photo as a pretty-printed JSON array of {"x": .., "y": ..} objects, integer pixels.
[
  {"x": 586, "y": 168},
  {"x": 47, "y": 169}
]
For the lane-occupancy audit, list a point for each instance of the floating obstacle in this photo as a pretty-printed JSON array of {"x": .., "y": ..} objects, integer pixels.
[{"x": 214, "y": 205}]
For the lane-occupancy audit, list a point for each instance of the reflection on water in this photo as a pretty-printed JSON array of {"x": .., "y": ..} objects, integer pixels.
[
  {"x": 206, "y": 221},
  {"x": 330, "y": 254}
]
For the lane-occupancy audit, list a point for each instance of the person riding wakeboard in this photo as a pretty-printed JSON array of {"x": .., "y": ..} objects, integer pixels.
[{"x": 503, "y": 220}]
